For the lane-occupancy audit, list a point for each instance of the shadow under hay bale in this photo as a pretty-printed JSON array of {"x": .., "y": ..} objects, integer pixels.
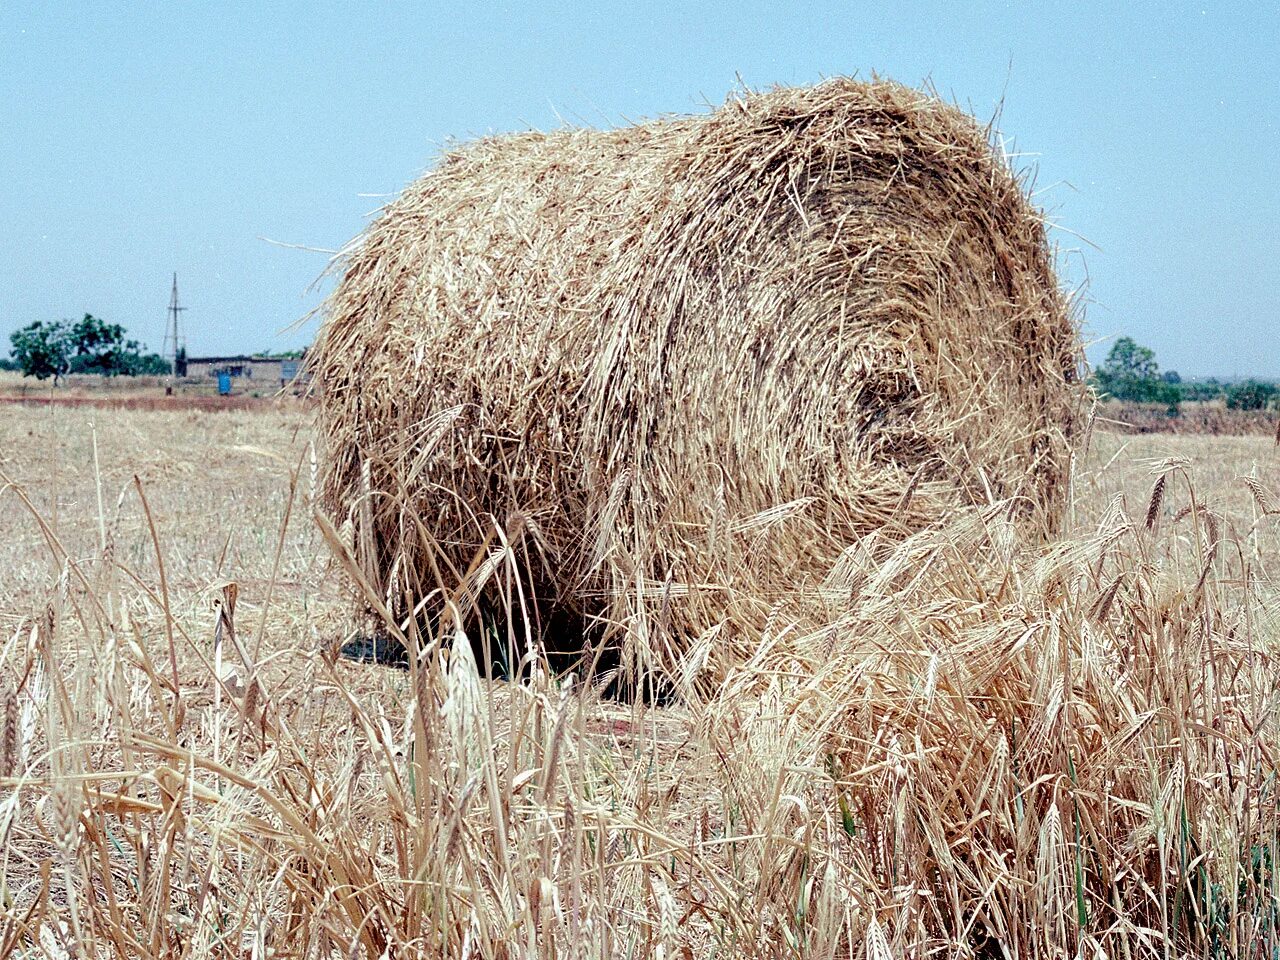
[
  {"x": 670, "y": 372},
  {"x": 567, "y": 644}
]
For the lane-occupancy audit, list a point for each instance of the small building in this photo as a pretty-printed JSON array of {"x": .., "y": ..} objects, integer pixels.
[{"x": 269, "y": 372}]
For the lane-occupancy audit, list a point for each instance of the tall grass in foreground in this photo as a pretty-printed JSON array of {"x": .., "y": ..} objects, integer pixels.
[{"x": 984, "y": 753}]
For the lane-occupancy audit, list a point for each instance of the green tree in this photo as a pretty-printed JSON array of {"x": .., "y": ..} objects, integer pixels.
[
  {"x": 1128, "y": 360},
  {"x": 1207, "y": 389},
  {"x": 42, "y": 350},
  {"x": 1130, "y": 372},
  {"x": 135, "y": 363},
  {"x": 89, "y": 345},
  {"x": 98, "y": 347},
  {"x": 1251, "y": 395}
]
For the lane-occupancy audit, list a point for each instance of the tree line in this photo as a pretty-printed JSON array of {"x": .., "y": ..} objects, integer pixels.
[
  {"x": 1130, "y": 372},
  {"x": 53, "y": 349}
]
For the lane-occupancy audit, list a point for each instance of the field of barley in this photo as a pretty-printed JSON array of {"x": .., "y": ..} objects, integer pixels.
[{"x": 990, "y": 750}]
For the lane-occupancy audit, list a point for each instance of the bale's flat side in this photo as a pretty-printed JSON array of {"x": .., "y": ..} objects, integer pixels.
[{"x": 686, "y": 364}]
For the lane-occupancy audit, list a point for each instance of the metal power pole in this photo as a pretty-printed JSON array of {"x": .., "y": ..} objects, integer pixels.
[{"x": 174, "y": 342}]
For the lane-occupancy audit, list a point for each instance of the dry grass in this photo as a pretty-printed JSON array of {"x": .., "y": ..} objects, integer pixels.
[
  {"x": 675, "y": 369},
  {"x": 138, "y": 393},
  {"x": 1211, "y": 417},
  {"x": 989, "y": 751}
]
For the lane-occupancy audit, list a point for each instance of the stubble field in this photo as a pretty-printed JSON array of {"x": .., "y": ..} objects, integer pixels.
[{"x": 1070, "y": 749}]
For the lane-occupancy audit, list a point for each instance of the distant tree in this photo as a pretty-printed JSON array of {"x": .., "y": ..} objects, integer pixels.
[
  {"x": 98, "y": 347},
  {"x": 7, "y": 364},
  {"x": 1129, "y": 360},
  {"x": 1171, "y": 376},
  {"x": 1251, "y": 395},
  {"x": 42, "y": 350},
  {"x": 1206, "y": 389},
  {"x": 1130, "y": 372},
  {"x": 89, "y": 345},
  {"x": 135, "y": 363}
]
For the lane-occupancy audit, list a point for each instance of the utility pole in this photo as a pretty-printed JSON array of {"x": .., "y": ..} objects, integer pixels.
[{"x": 174, "y": 343}]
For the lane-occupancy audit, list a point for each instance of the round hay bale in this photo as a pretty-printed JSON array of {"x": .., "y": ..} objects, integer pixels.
[{"x": 656, "y": 379}]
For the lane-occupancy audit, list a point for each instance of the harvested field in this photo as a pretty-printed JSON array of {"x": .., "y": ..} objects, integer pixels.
[
  {"x": 996, "y": 750},
  {"x": 137, "y": 393},
  {"x": 155, "y": 401}
]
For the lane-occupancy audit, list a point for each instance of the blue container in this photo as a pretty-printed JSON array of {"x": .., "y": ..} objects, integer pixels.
[{"x": 224, "y": 384}]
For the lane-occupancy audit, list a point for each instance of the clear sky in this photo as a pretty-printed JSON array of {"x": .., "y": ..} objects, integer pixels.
[{"x": 139, "y": 138}]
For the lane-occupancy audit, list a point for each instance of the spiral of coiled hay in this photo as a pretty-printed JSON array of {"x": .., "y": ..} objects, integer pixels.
[{"x": 649, "y": 384}]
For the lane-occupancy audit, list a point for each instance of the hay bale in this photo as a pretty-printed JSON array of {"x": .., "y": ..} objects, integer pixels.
[{"x": 683, "y": 365}]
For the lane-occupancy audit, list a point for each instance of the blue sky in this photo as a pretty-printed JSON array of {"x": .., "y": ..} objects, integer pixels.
[{"x": 141, "y": 138}]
